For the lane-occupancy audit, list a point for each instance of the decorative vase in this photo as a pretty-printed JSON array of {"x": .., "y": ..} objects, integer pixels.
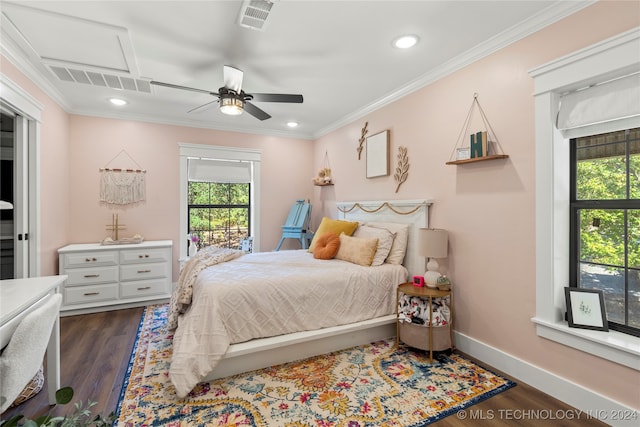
[{"x": 193, "y": 249}]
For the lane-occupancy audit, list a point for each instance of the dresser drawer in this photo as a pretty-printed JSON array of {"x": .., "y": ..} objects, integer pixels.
[
  {"x": 143, "y": 288},
  {"x": 89, "y": 294},
  {"x": 91, "y": 276},
  {"x": 90, "y": 259},
  {"x": 134, "y": 256},
  {"x": 143, "y": 271}
]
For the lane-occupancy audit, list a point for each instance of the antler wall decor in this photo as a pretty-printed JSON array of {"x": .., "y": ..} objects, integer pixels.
[
  {"x": 362, "y": 139},
  {"x": 402, "y": 169}
]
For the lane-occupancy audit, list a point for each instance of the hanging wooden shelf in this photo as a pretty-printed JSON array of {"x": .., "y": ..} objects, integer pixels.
[
  {"x": 324, "y": 184},
  {"x": 490, "y": 140},
  {"x": 478, "y": 159}
]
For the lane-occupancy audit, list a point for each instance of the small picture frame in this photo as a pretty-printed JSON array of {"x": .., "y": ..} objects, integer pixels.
[
  {"x": 463, "y": 153},
  {"x": 246, "y": 244},
  {"x": 378, "y": 154},
  {"x": 585, "y": 309}
]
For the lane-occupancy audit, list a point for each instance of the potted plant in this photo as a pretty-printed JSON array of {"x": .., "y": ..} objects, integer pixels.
[{"x": 80, "y": 417}]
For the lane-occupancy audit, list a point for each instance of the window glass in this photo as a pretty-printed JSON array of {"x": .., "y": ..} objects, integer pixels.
[
  {"x": 606, "y": 209},
  {"x": 218, "y": 213}
]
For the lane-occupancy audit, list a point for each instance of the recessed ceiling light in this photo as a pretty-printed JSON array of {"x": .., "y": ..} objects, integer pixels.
[
  {"x": 292, "y": 124},
  {"x": 405, "y": 42},
  {"x": 117, "y": 101}
]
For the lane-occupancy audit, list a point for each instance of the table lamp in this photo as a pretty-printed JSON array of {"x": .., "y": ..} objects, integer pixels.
[{"x": 433, "y": 244}]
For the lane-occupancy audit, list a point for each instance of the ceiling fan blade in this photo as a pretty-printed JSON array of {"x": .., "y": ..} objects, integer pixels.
[
  {"x": 232, "y": 78},
  {"x": 183, "y": 87},
  {"x": 202, "y": 107},
  {"x": 277, "y": 97},
  {"x": 255, "y": 111}
]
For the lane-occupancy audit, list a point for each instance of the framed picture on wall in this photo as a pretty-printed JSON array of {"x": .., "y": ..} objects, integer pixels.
[
  {"x": 378, "y": 154},
  {"x": 585, "y": 309}
]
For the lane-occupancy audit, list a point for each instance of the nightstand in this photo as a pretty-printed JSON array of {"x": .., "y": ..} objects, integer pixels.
[{"x": 422, "y": 336}]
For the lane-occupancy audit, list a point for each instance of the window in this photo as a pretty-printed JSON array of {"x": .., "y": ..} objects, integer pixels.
[
  {"x": 219, "y": 195},
  {"x": 219, "y": 213},
  {"x": 605, "y": 222},
  {"x": 612, "y": 58}
]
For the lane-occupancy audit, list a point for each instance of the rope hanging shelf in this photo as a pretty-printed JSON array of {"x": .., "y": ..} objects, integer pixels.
[
  {"x": 324, "y": 177},
  {"x": 485, "y": 143}
]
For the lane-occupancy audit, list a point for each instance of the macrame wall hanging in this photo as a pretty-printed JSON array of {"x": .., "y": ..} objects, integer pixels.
[{"x": 122, "y": 186}]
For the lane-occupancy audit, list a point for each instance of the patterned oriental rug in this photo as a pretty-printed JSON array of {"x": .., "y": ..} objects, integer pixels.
[{"x": 373, "y": 385}]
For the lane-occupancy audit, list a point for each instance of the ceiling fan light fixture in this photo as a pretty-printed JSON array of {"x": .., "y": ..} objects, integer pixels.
[{"x": 231, "y": 105}]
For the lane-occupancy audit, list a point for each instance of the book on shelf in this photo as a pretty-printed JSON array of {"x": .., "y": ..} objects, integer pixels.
[{"x": 479, "y": 144}]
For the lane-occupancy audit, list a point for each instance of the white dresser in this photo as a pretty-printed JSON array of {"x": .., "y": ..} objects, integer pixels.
[{"x": 106, "y": 277}]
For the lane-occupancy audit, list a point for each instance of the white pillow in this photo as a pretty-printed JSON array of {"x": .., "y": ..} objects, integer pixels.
[
  {"x": 385, "y": 241},
  {"x": 399, "y": 247}
]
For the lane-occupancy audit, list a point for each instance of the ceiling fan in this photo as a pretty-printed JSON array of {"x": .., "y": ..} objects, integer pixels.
[{"x": 233, "y": 100}]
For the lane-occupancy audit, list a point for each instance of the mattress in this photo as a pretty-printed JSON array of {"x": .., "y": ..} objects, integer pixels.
[{"x": 273, "y": 293}]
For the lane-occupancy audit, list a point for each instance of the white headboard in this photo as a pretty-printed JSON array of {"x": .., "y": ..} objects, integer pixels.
[{"x": 412, "y": 212}]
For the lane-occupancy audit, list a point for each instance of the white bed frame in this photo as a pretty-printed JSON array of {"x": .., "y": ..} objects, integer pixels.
[{"x": 260, "y": 353}]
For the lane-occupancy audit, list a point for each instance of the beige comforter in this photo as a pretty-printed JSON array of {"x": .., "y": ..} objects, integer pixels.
[{"x": 273, "y": 293}]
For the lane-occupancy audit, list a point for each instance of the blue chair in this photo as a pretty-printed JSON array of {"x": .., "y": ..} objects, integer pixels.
[{"x": 298, "y": 224}]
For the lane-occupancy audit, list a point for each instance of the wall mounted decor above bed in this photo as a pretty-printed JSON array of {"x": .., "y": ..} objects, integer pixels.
[
  {"x": 378, "y": 154},
  {"x": 362, "y": 139},
  {"x": 402, "y": 168}
]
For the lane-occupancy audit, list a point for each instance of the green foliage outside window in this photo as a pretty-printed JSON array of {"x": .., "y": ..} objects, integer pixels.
[
  {"x": 219, "y": 213},
  {"x": 607, "y": 189}
]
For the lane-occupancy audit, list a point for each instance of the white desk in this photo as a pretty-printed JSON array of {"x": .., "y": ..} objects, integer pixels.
[{"x": 17, "y": 298}]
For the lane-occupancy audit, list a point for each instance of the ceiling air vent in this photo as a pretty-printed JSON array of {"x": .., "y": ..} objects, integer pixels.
[
  {"x": 74, "y": 75},
  {"x": 254, "y": 14}
]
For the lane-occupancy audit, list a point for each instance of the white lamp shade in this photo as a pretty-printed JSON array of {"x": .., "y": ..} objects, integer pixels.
[{"x": 433, "y": 243}]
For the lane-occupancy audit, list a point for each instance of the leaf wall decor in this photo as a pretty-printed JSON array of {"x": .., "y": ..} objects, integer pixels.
[
  {"x": 362, "y": 139},
  {"x": 402, "y": 168}
]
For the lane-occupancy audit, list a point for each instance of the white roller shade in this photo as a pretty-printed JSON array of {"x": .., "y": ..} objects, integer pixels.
[
  {"x": 222, "y": 171},
  {"x": 605, "y": 107}
]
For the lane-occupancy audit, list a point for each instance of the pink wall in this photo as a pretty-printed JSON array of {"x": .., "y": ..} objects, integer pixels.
[
  {"x": 54, "y": 170},
  {"x": 94, "y": 142},
  {"x": 488, "y": 207}
]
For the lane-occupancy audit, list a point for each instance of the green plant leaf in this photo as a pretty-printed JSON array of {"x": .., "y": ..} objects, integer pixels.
[
  {"x": 11, "y": 422},
  {"x": 64, "y": 395}
]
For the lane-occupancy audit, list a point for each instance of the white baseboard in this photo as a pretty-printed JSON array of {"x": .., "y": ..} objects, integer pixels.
[{"x": 598, "y": 406}]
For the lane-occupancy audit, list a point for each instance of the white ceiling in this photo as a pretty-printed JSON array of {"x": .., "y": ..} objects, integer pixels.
[{"x": 337, "y": 54}]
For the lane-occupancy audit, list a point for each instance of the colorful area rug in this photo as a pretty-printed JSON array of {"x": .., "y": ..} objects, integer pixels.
[{"x": 373, "y": 385}]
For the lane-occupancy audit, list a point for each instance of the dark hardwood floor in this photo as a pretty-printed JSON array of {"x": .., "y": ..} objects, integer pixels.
[{"x": 95, "y": 351}]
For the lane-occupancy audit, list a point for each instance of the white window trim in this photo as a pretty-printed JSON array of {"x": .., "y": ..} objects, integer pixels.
[
  {"x": 614, "y": 57},
  {"x": 222, "y": 153}
]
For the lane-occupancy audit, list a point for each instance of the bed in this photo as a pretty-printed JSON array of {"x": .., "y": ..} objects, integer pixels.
[{"x": 260, "y": 309}]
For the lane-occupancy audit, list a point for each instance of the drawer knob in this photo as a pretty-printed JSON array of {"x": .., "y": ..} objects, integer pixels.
[
  {"x": 144, "y": 271},
  {"x": 146, "y": 255},
  {"x": 140, "y": 256},
  {"x": 91, "y": 275},
  {"x": 88, "y": 294},
  {"x": 90, "y": 259},
  {"x": 144, "y": 288}
]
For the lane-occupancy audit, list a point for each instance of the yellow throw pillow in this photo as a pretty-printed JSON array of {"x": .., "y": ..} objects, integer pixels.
[
  {"x": 334, "y": 226},
  {"x": 357, "y": 250}
]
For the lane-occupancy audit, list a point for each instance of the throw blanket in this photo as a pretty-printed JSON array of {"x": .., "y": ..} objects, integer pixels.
[{"x": 181, "y": 296}]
